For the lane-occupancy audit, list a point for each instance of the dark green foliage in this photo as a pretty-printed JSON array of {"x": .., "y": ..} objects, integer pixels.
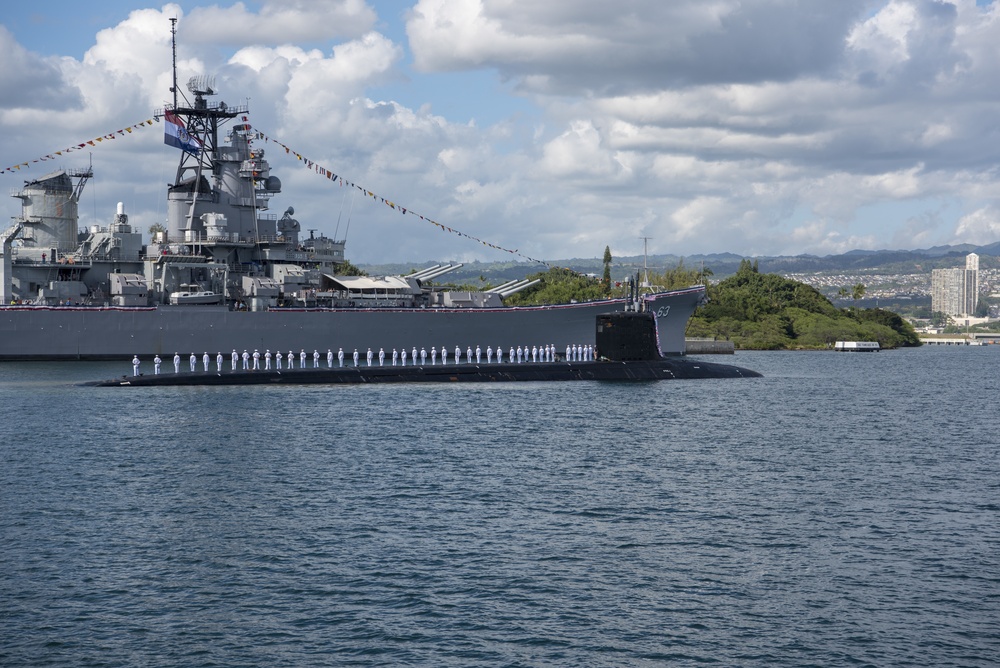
[
  {"x": 768, "y": 312},
  {"x": 607, "y": 267},
  {"x": 345, "y": 268},
  {"x": 559, "y": 286}
]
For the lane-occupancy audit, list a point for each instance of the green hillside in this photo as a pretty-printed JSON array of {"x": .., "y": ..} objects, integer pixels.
[{"x": 768, "y": 312}]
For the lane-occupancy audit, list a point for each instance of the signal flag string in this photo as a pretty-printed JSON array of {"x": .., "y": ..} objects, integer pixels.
[
  {"x": 330, "y": 175},
  {"x": 322, "y": 171}
]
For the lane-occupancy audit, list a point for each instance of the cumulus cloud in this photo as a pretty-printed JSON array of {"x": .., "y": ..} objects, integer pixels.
[
  {"x": 28, "y": 81},
  {"x": 757, "y": 127},
  {"x": 278, "y": 22},
  {"x": 981, "y": 226}
]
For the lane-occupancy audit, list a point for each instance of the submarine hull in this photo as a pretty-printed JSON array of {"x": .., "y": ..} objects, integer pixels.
[{"x": 641, "y": 370}]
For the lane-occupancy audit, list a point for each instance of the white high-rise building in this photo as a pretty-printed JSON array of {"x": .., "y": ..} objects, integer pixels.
[{"x": 955, "y": 292}]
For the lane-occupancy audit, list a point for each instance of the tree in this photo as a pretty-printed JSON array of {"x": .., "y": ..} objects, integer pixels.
[
  {"x": 858, "y": 292},
  {"x": 155, "y": 229},
  {"x": 607, "y": 266}
]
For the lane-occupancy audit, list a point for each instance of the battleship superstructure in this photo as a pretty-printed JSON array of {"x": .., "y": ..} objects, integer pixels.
[{"x": 224, "y": 273}]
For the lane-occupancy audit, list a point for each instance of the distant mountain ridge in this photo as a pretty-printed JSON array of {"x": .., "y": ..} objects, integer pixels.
[{"x": 921, "y": 260}]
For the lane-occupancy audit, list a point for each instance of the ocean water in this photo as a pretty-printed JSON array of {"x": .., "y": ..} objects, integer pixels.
[{"x": 842, "y": 510}]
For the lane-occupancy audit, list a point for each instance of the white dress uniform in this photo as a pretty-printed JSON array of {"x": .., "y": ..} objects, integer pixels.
[
  {"x": 340, "y": 356},
  {"x": 177, "y": 363},
  {"x": 291, "y": 360},
  {"x": 315, "y": 359},
  {"x": 256, "y": 360},
  {"x": 329, "y": 358},
  {"x": 434, "y": 355},
  {"x": 277, "y": 360},
  {"x": 206, "y": 361},
  {"x": 355, "y": 357},
  {"x": 156, "y": 365},
  {"x": 479, "y": 354},
  {"x": 218, "y": 362},
  {"x": 369, "y": 356},
  {"x": 135, "y": 365},
  {"x": 235, "y": 358},
  {"x": 267, "y": 360},
  {"x": 193, "y": 362},
  {"x": 381, "y": 356},
  {"x": 395, "y": 356}
]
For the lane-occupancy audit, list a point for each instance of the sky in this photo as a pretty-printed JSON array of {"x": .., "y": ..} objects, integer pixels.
[{"x": 540, "y": 130}]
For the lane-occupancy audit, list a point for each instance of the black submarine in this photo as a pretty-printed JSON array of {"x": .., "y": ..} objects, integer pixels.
[{"x": 626, "y": 342}]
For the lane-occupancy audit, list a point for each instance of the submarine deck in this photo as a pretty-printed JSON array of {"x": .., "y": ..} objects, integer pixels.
[{"x": 662, "y": 369}]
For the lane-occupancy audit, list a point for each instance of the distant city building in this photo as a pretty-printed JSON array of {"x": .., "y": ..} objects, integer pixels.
[{"x": 955, "y": 292}]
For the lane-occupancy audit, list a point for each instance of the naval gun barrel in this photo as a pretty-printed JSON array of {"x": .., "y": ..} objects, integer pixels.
[
  {"x": 420, "y": 273},
  {"x": 517, "y": 287},
  {"x": 504, "y": 286},
  {"x": 440, "y": 271}
]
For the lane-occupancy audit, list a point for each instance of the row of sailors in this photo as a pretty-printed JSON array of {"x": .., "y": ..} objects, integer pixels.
[{"x": 251, "y": 361}]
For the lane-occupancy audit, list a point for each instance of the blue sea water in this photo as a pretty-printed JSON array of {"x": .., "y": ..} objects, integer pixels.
[{"x": 842, "y": 510}]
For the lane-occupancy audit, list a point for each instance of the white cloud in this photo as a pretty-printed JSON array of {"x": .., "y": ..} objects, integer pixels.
[
  {"x": 981, "y": 226},
  {"x": 278, "y": 22},
  {"x": 758, "y": 127}
]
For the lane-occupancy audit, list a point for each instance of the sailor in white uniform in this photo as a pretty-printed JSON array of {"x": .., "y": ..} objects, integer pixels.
[
  {"x": 444, "y": 355},
  {"x": 135, "y": 365},
  {"x": 381, "y": 356},
  {"x": 355, "y": 357},
  {"x": 368, "y": 357},
  {"x": 329, "y": 358},
  {"x": 519, "y": 353},
  {"x": 291, "y": 359},
  {"x": 413, "y": 355},
  {"x": 434, "y": 355},
  {"x": 302, "y": 359},
  {"x": 277, "y": 360},
  {"x": 246, "y": 360},
  {"x": 206, "y": 361},
  {"x": 218, "y": 362},
  {"x": 404, "y": 356},
  {"x": 512, "y": 354},
  {"x": 193, "y": 362},
  {"x": 423, "y": 357},
  {"x": 267, "y": 360},
  {"x": 458, "y": 355},
  {"x": 256, "y": 360},
  {"x": 177, "y": 363},
  {"x": 395, "y": 356},
  {"x": 468, "y": 355},
  {"x": 315, "y": 359},
  {"x": 235, "y": 358},
  {"x": 489, "y": 355},
  {"x": 479, "y": 354},
  {"x": 156, "y": 365},
  {"x": 568, "y": 350},
  {"x": 499, "y": 355},
  {"x": 534, "y": 353},
  {"x": 340, "y": 356}
]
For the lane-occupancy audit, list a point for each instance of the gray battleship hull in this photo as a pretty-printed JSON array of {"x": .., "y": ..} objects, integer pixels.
[{"x": 58, "y": 333}]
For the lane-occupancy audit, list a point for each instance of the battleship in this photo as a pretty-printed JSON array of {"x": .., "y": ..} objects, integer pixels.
[{"x": 225, "y": 273}]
